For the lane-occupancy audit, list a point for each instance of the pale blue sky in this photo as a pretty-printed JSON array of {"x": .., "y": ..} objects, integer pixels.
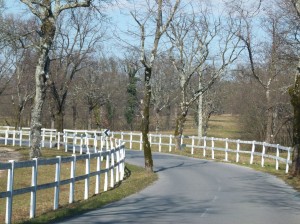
[{"x": 119, "y": 14}]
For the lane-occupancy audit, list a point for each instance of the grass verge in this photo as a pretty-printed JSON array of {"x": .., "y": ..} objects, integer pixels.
[{"x": 136, "y": 180}]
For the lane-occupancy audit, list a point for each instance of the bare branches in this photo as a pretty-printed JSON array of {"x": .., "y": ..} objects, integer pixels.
[
  {"x": 160, "y": 28},
  {"x": 32, "y": 8},
  {"x": 296, "y": 4},
  {"x": 42, "y": 8},
  {"x": 71, "y": 5}
]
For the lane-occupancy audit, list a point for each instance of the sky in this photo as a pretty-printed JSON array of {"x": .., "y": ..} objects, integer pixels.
[{"x": 121, "y": 21}]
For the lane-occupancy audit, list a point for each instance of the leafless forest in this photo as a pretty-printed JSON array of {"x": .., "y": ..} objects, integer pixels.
[{"x": 239, "y": 60}]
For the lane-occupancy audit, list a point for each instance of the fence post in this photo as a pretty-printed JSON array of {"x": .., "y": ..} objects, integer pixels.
[
  {"x": 237, "y": 151},
  {"x": 74, "y": 143},
  {"x": 287, "y": 160},
  {"x": 130, "y": 142},
  {"x": 72, "y": 176},
  {"x": 29, "y": 138},
  {"x": 58, "y": 140},
  {"x": 150, "y": 139},
  {"x": 66, "y": 140},
  {"x": 122, "y": 162},
  {"x": 277, "y": 155},
  {"x": 193, "y": 142},
  {"x": 106, "y": 171},
  {"x": 252, "y": 152},
  {"x": 170, "y": 143},
  {"x": 95, "y": 142},
  {"x": 51, "y": 139},
  {"x": 226, "y": 149},
  {"x": 87, "y": 179},
  {"x": 101, "y": 143},
  {"x": 117, "y": 148},
  {"x": 14, "y": 137},
  {"x": 33, "y": 184},
  {"x": 112, "y": 166},
  {"x": 43, "y": 137},
  {"x": 81, "y": 143},
  {"x": 20, "y": 139},
  {"x": 57, "y": 183},
  {"x": 159, "y": 144},
  {"x": 141, "y": 141},
  {"x": 6, "y": 137},
  {"x": 204, "y": 146},
  {"x": 98, "y": 169},
  {"x": 87, "y": 142},
  {"x": 10, "y": 188},
  {"x": 212, "y": 148},
  {"x": 181, "y": 140},
  {"x": 263, "y": 155}
]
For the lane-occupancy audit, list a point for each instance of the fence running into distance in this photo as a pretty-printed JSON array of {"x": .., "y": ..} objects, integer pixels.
[
  {"x": 90, "y": 141},
  {"x": 232, "y": 150},
  {"x": 93, "y": 145}
]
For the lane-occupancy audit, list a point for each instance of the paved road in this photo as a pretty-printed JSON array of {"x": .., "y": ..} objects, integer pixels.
[{"x": 198, "y": 191}]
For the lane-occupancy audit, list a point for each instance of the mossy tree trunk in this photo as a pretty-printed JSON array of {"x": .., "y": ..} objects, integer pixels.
[
  {"x": 295, "y": 100},
  {"x": 41, "y": 75},
  {"x": 47, "y": 11},
  {"x": 147, "y": 62},
  {"x": 146, "y": 121},
  {"x": 180, "y": 121}
]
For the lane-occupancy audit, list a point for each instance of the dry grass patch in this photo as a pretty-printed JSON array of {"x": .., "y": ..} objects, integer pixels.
[{"x": 137, "y": 179}]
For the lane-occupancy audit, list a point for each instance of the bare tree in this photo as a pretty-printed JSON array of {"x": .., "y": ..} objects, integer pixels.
[
  {"x": 164, "y": 90},
  {"x": 265, "y": 82},
  {"x": 17, "y": 61},
  {"x": 155, "y": 12},
  {"x": 90, "y": 86},
  {"x": 6, "y": 53},
  {"x": 47, "y": 12},
  {"x": 132, "y": 101},
  {"x": 76, "y": 39},
  {"x": 192, "y": 38},
  {"x": 6, "y": 64},
  {"x": 23, "y": 83}
]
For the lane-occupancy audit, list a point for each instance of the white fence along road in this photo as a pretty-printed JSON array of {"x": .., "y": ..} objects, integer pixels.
[{"x": 113, "y": 150}]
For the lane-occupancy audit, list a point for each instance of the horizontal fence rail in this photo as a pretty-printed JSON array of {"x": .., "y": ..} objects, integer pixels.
[
  {"x": 204, "y": 145},
  {"x": 95, "y": 147}
]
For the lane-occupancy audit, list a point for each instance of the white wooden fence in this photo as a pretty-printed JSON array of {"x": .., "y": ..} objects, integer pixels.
[
  {"x": 92, "y": 141},
  {"x": 110, "y": 148},
  {"x": 166, "y": 143}
]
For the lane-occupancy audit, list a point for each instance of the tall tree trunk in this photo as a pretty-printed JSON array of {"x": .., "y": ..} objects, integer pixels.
[
  {"x": 40, "y": 95},
  {"x": 168, "y": 117},
  {"x": 269, "y": 128},
  {"x": 146, "y": 121},
  {"x": 90, "y": 117},
  {"x": 180, "y": 120},
  {"x": 47, "y": 34},
  {"x": 19, "y": 116},
  {"x": 74, "y": 115},
  {"x": 157, "y": 121},
  {"x": 295, "y": 100},
  {"x": 200, "y": 109},
  {"x": 59, "y": 117}
]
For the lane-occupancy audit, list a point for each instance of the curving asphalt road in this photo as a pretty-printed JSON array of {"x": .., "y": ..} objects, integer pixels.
[{"x": 199, "y": 191}]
